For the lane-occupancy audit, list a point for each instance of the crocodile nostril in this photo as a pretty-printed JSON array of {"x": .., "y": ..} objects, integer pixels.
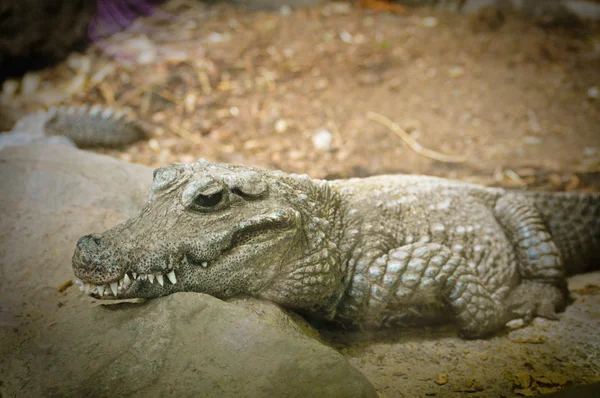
[
  {"x": 89, "y": 242},
  {"x": 97, "y": 239}
]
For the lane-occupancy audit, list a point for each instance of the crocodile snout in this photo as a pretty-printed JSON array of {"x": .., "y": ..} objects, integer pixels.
[{"x": 93, "y": 259}]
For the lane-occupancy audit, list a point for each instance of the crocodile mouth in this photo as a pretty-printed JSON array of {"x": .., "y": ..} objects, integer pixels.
[
  {"x": 122, "y": 286},
  {"x": 166, "y": 281},
  {"x": 169, "y": 274}
]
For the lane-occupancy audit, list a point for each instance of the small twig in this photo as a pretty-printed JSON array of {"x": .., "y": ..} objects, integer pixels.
[
  {"x": 204, "y": 82},
  {"x": 331, "y": 116},
  {"x": 107, "y": 93},
  {"x": 533, "y": 122},
  {"x": 64, "y": 286},
  {"x": 168, "y": 96},
  {"x": 514, "y": 176},
  {"x": 186, "y": 135},
  {"x": 125, "y": 97},
  {"x": 411, "y": 142}
]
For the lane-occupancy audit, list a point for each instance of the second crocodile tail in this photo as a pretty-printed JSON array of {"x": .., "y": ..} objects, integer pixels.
[
  {"x": 574, "y": 223},
  {"x": 90, "y": 126}
]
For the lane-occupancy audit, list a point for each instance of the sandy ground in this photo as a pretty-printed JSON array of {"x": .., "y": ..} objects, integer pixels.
[{"x": 546, "y": 357}]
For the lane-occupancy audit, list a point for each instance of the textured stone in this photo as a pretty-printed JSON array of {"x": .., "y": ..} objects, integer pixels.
[{"x": 188, "y": 344}]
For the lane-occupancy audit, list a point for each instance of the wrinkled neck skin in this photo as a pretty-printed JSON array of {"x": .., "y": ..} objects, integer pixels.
[{"x": 227, "y": 231}]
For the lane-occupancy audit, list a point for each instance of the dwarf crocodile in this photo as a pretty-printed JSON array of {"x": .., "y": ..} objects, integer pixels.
[{"x": 375, "y": 252}]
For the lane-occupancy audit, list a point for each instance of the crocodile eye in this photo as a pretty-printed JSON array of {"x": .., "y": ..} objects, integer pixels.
[{"x": 208, "y": 201}]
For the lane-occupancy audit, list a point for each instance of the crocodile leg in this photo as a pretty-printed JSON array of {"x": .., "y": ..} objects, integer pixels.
[
  {"x": 419, "y": 275},
  {"x": 543, "y": 290}
]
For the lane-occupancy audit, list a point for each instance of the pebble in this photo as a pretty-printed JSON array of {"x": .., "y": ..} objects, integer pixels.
[
  {"x": 215, "y": 37},
  {"x": 234, "y": 111},
  {"x": 143, "y": 48},
  {"x": 346, "y": 37},
  {"x": 322, "y": 140},
  {"x": 590, "y": 151},
  {"x": 30, "y": 83},
  {"x": 285, "y": 10},
  {"x": 281, "y": 126},
  {"x": 441, "y": 379},
  {"x": 154, "y": 145},
  {"x": 9, "y": 88},
  {"x": 430, "y": 22},
  {"x": 593, "y": 92},
  {"x": 321, "y": 84},
  {"x": 515, "y": 323},
  {"x": 189, "y": 103},
  {"x": 205, "y": 126},
  {"x": 532, "y": 140},
  {"x": 456, "y": 71}
]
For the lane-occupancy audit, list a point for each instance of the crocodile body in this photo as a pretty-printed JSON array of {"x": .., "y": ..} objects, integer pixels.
[
  {"x": 83, "y": 126},
  {"x": 369, "y": 253}
]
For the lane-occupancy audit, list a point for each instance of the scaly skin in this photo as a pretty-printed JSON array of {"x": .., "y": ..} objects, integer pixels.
[
  {"x": 373, "y": 252},
  {"x": 85, "y": 126}
]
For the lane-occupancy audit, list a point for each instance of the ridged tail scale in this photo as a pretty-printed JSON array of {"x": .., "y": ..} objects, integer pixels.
[
  {"x": 574, "y": 223},
  {"x": 91, "y": 126}
]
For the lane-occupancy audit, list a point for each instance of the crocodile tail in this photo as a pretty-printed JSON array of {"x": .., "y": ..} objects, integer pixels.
[
  {"x": 90, "y": 126},
  {"x": 574, "y": 223}
]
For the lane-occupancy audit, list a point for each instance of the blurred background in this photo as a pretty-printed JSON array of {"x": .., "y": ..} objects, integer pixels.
[{"x": 498, "y": 92}]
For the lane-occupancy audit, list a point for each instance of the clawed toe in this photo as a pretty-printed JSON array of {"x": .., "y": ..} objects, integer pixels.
[{"x": 535, "y": 299}]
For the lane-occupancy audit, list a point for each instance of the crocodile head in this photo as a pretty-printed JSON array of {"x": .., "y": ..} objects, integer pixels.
[{"x": 219, "y": 229}]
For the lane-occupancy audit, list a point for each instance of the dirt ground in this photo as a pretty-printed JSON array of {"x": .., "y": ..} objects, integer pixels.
[{"x": 301, "y": 90}]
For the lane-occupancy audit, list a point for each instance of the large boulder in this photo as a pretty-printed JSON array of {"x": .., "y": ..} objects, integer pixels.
[{"x": 66, "y": 344}]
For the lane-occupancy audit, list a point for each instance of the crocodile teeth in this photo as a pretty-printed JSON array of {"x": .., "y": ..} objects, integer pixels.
[
  {"x": 126, "y": 280},
  {"x": 151, "y": 278},
  {"x": 100, "y": 290},
  {"x": 87, "y": 288},
  {"x": 160, "y": 280},
  {"x": 135, "y": 275},
  {"x": 204, "y": 264},
  {"x": 171, "y": 276},
  {"x": 79, "y": 282},
  {"x": 114, "y": 288}
]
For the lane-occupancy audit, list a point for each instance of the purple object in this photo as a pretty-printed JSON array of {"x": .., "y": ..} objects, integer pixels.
[{"x": 113, "y": 16}]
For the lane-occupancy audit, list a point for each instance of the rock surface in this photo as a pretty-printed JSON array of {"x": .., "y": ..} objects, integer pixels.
[{"x": 65, "y": 344}]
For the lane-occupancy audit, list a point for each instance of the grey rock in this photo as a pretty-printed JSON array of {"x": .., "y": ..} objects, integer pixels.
[{"x": 187, "y": 344}]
